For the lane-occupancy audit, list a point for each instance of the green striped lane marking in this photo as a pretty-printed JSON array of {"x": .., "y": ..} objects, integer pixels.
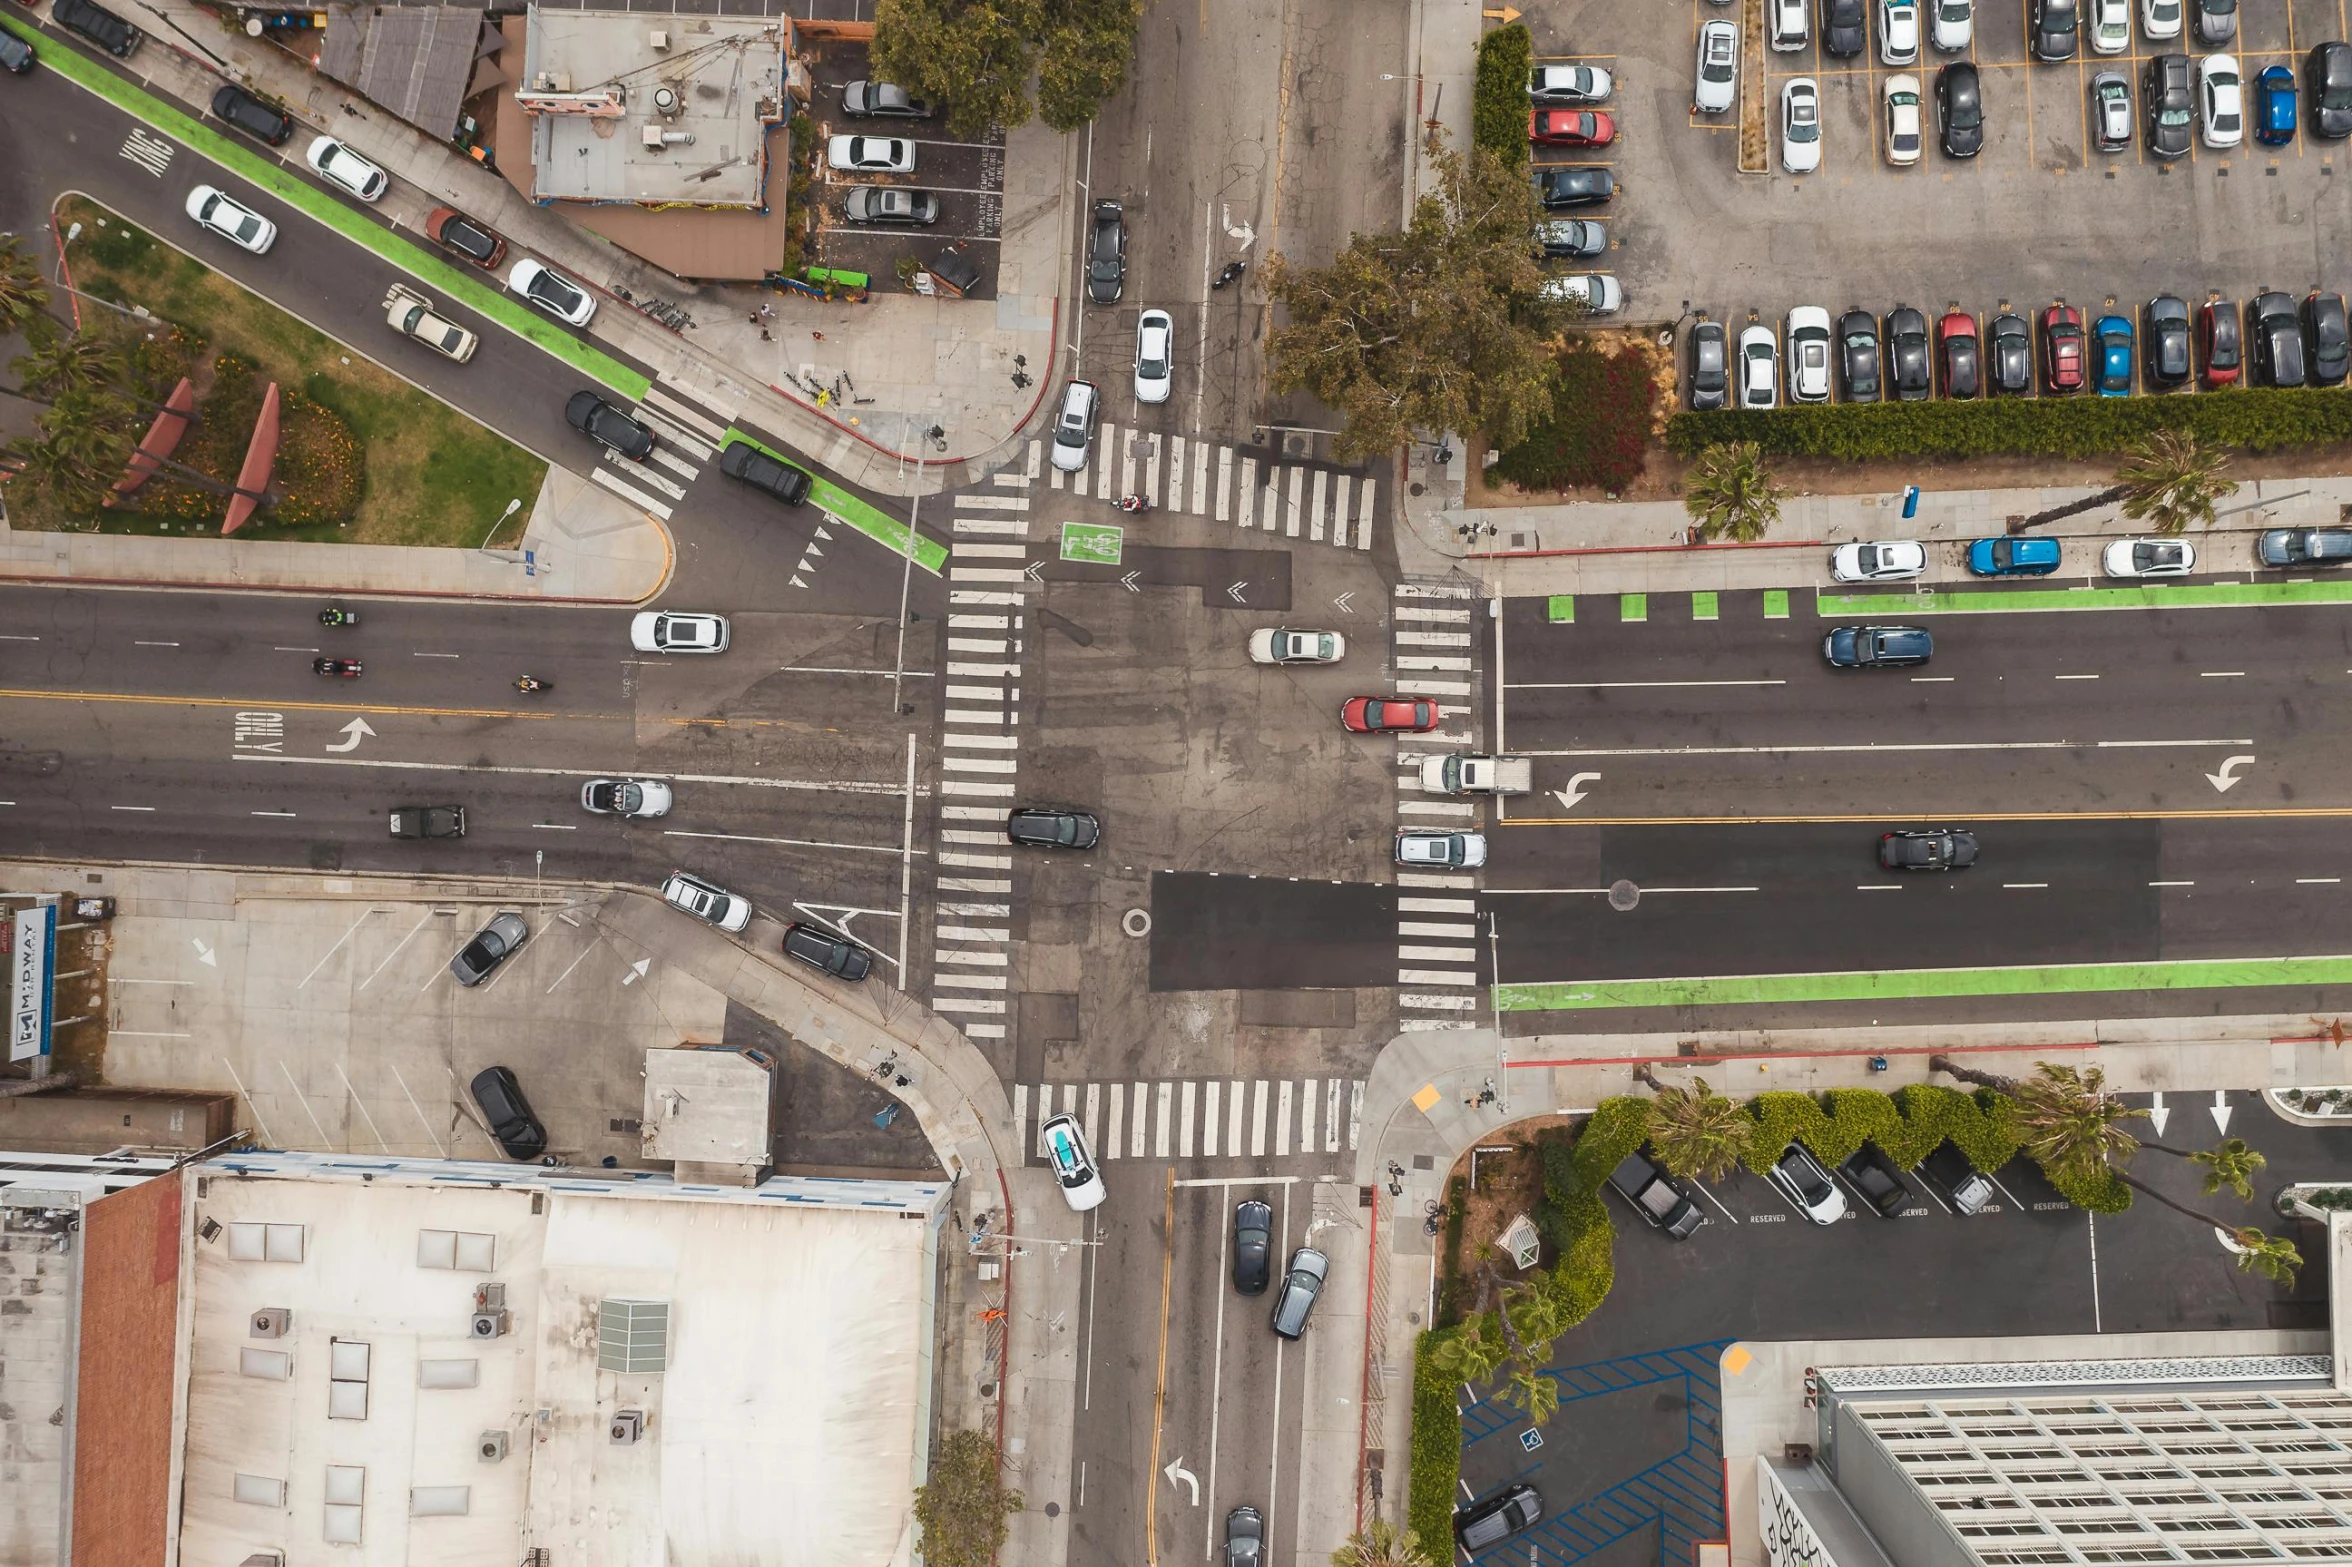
[
  {"x": 1703, "y": 606},
  {"x": 2150, "y": 595},
  {"x": 852, "y": 511},
  {"x": 1776, "y": 604},
  {"x": 1902, "y": 984},
  {"x": 1633, "y": 607}
]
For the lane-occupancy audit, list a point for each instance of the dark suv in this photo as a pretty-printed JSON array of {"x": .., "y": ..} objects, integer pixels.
[
  {"x": 516, "y": 1130},
  {"x": 1500, "y": 1516},
  {"x": 2327, "y": 82},
  {"x": 1644, "y": 1183},
  {"x": 2278, "y": 340},
  {"x": 1858, "y": 355},
  {"x": 2164, "y": 93},
  {"x": 2055, "y": 23},
  {"x": 2327, "y": 349},
  {"x": 1874, "y": 1175},
  {"x": 2305, "y": 547},
  {"x": 101, "y": 26},
  {"x": 821, "y": 949},
  {"x": 747, "y": 464},
  {"x": 233, "y": 105},
  {"x": 1710, "y": 366},
  {"x": 1106, "y": 254}
]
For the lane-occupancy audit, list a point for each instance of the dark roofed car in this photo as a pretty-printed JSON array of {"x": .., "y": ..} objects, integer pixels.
[
  {"x": 1874, "y": 1175},
  {"x": 1106, "y": 254},
  {"x": 2165, "y": 362},
  {"x": 1877, "y": 647},
  {"x": 512, "y": 1125},
  {"x": 2326, "y": 346},
  {"x": 1906, "y": 351},
  {"x": 1927, "y": 849},
  {"x": 2166, "y": 100},
  {"x": 1245, "y": 1538},
  {"x": 1644, "y": 1183},
  {"x": 1710, "y": 373},
  {"x": 1577, "y": 187},
  {"x": 2278, "y": 339},
  {"x": 955, "y": 267},
  {"x": 2305, "y": 547},
  {"x": 1842, "y": 27},
  {"x": 2009, "y": 355},
  {"x": 1499, "y": 1517},
  {"x": 864, "y": 99},
  {"x": 233, "y": 105},
  {"x": 16, "y": 56},
  {"x": 467, "y": 237},
  {"x": 606, "y": 425},
  {"x": 101, "y": 26},
  {"x": 1052, "y": 827},
  {"x": 1253, "y": 1247},
  {"x": 821, "y": 949},
  {"x": 1956, "y": 336},
  {"x": 747, "y": 464},
  {"x": 2327, "y": 81},
  {"x": 428, "y": 821},
  {"x": 492, "y": 945},
  {"x": 1858, "y": 355}
]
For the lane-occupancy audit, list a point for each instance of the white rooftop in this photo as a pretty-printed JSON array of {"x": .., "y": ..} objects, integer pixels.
[{"x": 708, "y": 1105}]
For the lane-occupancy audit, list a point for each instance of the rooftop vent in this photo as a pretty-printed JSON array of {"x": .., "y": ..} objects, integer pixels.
[
  {"x": 628, "y": 1426},
  {"x": 492, "y": 1448},
  {"x": 633, "y": 1336},
  {"x": 272, "y": 1322}
]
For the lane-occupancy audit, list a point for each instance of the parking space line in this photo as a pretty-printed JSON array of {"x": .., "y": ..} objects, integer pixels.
[
  {"x": 1701, "y": 1188},
  {"x": 259, "y": 1124},
  {"x": 304, "y": 1100},
  {"x": 359, "y": 1104},
  {"x": 337, "y": 947},
  {"x": 575, "y": 963},
  {"x": 440, "y": 1148},
  {"x": 395, "y": 952}
]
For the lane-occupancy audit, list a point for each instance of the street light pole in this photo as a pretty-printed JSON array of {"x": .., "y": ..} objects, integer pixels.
[{"x": 512, "y": 507}]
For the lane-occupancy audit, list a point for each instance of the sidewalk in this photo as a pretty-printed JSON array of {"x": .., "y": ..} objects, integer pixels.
[{"x": 580, "y": 546}]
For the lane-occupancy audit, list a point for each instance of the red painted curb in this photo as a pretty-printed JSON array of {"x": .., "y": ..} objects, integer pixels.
[
  {"x": 302, "y": 590},
  {"x": 1650, "y": 549}
]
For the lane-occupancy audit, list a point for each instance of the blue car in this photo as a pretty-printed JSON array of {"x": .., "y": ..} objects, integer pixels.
[
  {"x": 2027, "y": 557},
  {"x": 2113, "y": 334},
  {"x": 2274, "y": 106}
]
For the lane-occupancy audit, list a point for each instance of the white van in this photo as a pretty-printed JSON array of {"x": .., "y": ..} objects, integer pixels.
[{"x": 1073, "y": 435}]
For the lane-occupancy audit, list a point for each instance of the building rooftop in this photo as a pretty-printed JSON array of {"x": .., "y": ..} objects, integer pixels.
[
  {"x": 654, "y": 108},
  {"x": 708, "y": 1106},
  {"x": 420, "y": 61}
]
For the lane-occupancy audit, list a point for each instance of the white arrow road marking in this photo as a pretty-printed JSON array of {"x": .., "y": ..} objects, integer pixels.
[
  {"x": 2157, "y": 1114},
  {"x": 1569, "y": 796},
  {"x": 357, "y": 730},
  {"x": 204, "y": 954},
  {"x": 1234, "y": 592},
  {"x": 1341, "y": 603},
  {"x": 2229, "y": 773},
  {"x": 1035, "y": 571},
  {"x": 636, "y": 971},
  {"x": 2221, "y": 1111},
  {"x": 1179, "y": 1475},
  {"x": 1128, "y": 582},
  {"x": 1241, "y": 231}
]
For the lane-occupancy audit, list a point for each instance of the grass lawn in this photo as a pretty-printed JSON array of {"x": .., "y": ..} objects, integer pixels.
[{"x": 429, "y": 474}]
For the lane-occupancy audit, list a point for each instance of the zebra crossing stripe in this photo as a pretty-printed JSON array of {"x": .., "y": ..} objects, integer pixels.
[
  {"x": 148, "y": 150},
  {"x": 1224, "y": 489},
  {"x": 1315, "y": 508},
  {"x": 1200, "y": 479}
]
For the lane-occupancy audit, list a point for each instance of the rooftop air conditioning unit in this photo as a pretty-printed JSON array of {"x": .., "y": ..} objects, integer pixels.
[
  {"x": 492, "y": 1448},
  {"x": 272, "y": 1322},
  {"x": 489, "y": 1324},
  {"x": 627, "y": 1426},
  {"x": 489, "y": 1297}
]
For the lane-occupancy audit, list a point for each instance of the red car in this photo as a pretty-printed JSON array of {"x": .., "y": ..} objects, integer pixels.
[
  {"x": 1381, "y": 715},
  {"x": 1958, "y": 347},
  {"x": 2062, "y": 349},
  {"x": 467, "y": 237},
  {"x": 1570, "y": 128},
  {"x": 2218, "y": 348}
]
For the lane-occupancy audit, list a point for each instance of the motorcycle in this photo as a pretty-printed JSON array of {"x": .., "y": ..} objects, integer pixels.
[
  {"x": 532, "y": 685},
  {"x": 337, "y": 615},
  {"x": 1233, "y": 269},
  {"x": 346, "y": 667},
  {"x": 1134, "y": 505}
]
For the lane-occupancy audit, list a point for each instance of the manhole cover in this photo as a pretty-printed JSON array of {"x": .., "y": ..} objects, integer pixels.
[{"x": 1623, "y": 895}]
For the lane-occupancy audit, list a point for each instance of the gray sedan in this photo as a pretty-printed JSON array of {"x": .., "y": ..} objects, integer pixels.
[{"x": 492, "y": 945}]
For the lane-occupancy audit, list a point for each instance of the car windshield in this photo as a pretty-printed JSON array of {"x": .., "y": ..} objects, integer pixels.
[
  {"x": 1802, "y": 126},
  {"x": 550, "y": 285}
]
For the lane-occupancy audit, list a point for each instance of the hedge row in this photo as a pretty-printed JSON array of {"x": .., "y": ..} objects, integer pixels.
[
  {"x": 2258, "y": 419},
  {"x": 1598, "y": 433},
  {"x": 1907, "y": 1125},
  {"x": 1498, "y": 103},
  {"x": 1437, "y": 1443}
]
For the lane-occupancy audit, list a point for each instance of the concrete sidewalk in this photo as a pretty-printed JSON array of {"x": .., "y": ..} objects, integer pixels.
[
  {"x": 924, "y": 363},
  {"x": 581, "y": 545}
]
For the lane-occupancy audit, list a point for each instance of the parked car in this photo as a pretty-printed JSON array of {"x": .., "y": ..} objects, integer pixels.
[
  {"x": 826, "y": 952},
  {"x": 2111, "y": 111},
  {"x": 1064, "y": 1142},
  {"x": 1589, "y": 293},
  {"x": 2327, "y": 82},
  {"x": 2051, "y": 29},
  {"x": 1800, "y": 125},
  {"x": 1420, "y": 848},
  {"x": 2029, "y": 556},
  {"x": 677, "y": 631},
  {"x": 2114, "y": 336},
  {"x": 1799, "y": 1175},
  {"x": 1959, "y": 110},
  {"x": 2165, "y": 362},
  {"x": 2062, "y": 349},
  {"x": 1927, "y": 849},
  {"x": 16, "y": 56},
  {"x": 2166, "y": 98},
  {"x": 1790, "y": 28},
  {"x": 2149, "y": 558},
  {"x": 412, "y": 315},
  {"x": 1909, "y": 374},
  {"x": 2221, "y": 106},
  {"x": 2325, "y": 346},
  {"x": 1052, "y": 827},
  {"x": 1808, "y": 354},
  {"x": 232, "y": 220},
  {"x": 1874, "y": 1175},
  {"x": 1888, "y": 560},
  {"x": 508, "y": 1114},
  {"x": 2303, "y": 548},
  {"x": 1380, "y": 715},
  {"x": 2217, "y": 22},
  {"x": 2110, "y": 26},
  {"x": 2220, "y": 349},
  {"x": 2278, "y": 340},
  {"x": 1898, "y": 32},
  {"x": 101, "y": 26},
  {"x": 1858, "y": 355},
  {"x": 1106, "y": 254},
  {"x": 2160, "y": 20},
  {"x": 1902, "y": 120},
  {"x": 1843, "y": 28},
  {"x": 864, "y": 99},
  {"x": 890, "y": 204},
  {"x": 541, "y": 286},
  {"x": 1947, "y": 1170},
  {"x": 1710, "y": 380},
  {"x": 464, "y": 236},
  {"x": 1253, "y": 1246},
  {"x": 870, "y": 154},
  {"x": 608, "y": 426},
  {"x": 1570, "y": 84},
  {"x": 1073, "y": 435},
  {"x": 748, "y": 465},
  {"x": 1155, "y": 356},
  {"x": 492, "y": 945},
  {"x": 1570, "y": 128},
  {"x": 1245, "y": 1538},
  {"x": 338, "y": 165},
  {"x": 2274, "y": 106},
  {"x": 1953, "y": 24},
  {"x": 1300, "y": 1287},
  {"x": 1957, "y": 352},
  {"x": 413, "y": 822},
  {"x": 2009, "y": 355},
  {"x": 1718, "y": 67},
  {"x": 233, "y": 105},
  {"x": 1496, "y": 1518},
  {"x": 1563, "y": 189},
  {"x": 1759, "y": 366},
  {"x": 1877, "y": 647},
  {"x": 1283, "y": 645},
  {"x": 1570, "y": 239},
  {"x": 1656, "y": 1195},
  {"x": 635, "y": 797},
  {"x": 707, "y": 901}
]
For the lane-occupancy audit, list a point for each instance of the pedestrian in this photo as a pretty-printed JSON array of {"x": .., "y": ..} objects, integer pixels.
[
  {"x": 755, "y": 321},
  {"x": 767, "y": 311},
  {"x": 767, "y": 336}
]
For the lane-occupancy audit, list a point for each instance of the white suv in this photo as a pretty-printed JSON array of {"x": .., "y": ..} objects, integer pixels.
[
  {"x": 1718, "y": 68},
  {"x": 706, "y": 901},
  {"x": 1808, "y": 354},
  {"x": 1073, "y": 435}
]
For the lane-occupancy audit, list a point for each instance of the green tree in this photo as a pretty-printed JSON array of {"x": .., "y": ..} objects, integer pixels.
[
  {"x": 85, "y": 441},
  {"x": 1382, "y": 1544},
  {"x": 72, "y": 362},
  {"x": 962, "y": 1509},
  {"x": 2229, "y": 1163},
  {"x": 2169, "y": 481},
  {"x": 1730, "y": 493},
  {"x": 1437, "y": 328},
  {"x": 978, "y": 56},
  {"x": 1537, "y": 1395},
  {"x": 1699, "y": 1133},
  {"x": 22, "y": 296},
  {"x": 1082, "y": 58},
  {"x": 1472, "y": 1353}
]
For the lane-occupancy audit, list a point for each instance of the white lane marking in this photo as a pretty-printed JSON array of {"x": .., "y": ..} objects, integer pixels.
[
  {"x": 1646, "y": 891},
  {"x": 1932, "y": 680},
  {"x": 2221, "y": 674},
  {"x": 2317, "y": 881},
  {"x": 155, "y": 644},
  {"x": 2025, "y": 886},
  {"x": 274, "y": 650},
  {"x": 798, "y": 843},
  {"x": 644, "y": 503},
  {"x": 1948, "y": 745},
  {"x": 6, "y": 636},
  {"x": 348, "y": 932},
  {"x": 1615, "y": 685},
  {"x": 887, "y": 674},
  {"x": 436, "y": 655},
  {"x": 2074, "y": 677},
  {"x": 2172, "y": 884},
  {"x": 396, "y": 950},
  {"x": 149, "y": 809},
  {"x": 251, "y": 813},
  {"x": 1879, "y": 886},
  {"x": 844, "y": 787},
  {"x": 557, "y": 826}
]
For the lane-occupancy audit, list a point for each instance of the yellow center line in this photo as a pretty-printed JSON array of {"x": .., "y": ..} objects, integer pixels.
[
  {"x": 1151, "y": 1504},
  {"x": 2218, "y": 813},
  {"x": 242, "y": 704}
]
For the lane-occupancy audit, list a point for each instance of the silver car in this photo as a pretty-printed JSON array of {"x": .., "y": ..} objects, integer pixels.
[
  {"x": 492, "y": 945},
  {"x": 890, "y": 204},
  {"x": 1420, "y": 848},
  {"x": 706, "y": 901}
]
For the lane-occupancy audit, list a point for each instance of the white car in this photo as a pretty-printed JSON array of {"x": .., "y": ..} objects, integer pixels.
[
  {"x": 232, "y": 220},
  {"x": 1800, "y": 125},
  {"x": 1718, "y": 68},
  {"x": 1569, "y": 84},
  {"x": 1422, "y": 848},
  {"x": 1064, "y": 1142},
  {"x": 2221, "y": 102},
  {"x": 540, "y": 284},
  {"x": 1597, "y": 292},
  {"x": 2110, "y": 27},
  {"x": 2149, "y": 558},
  {"x": 1898, "y": 32},
  {"x": 1281, "y": 645},
  {"x": 1790, "y": 27},
  {"x": 1759, "y": 368},
  {"x": 658, "y": 631},
  {"x": 1155, "y": 356},
  {"x": 871, "y": 154},
  {"x": 1804, "y": 1182},
  {"x": 1902, "y": 119},
  {"x": 1808, "y": 354},
  {"x": 1073, "y": 434},
  {"x": 339, "y": 165},
  {"x": 625, "y": 797},
  {"x": 1888, "y": 560},
  {"x": 1954, "y": 24},
  {"x": 2160, "y": 20},
  {"x": 412, "y": 315},
  {"x": 706, "y": 901}
]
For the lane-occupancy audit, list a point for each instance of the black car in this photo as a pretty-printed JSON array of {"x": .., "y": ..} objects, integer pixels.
[
  {"x": 2009, "y": 355},
  {"x": 1907, "y": 358},
  {"x": 863, "y": 99},
  {"x": 1654, "y": 1194},
  {"x": 2165, "y": 325},
  {"x": 1963, "y": 368},
  {"x": 2278, "y": 339},
  {"x": 1577, "y": 187},
  {"x": 1877, "y": 647},
  {"x": 747, "y": 464},
  {"x": 1253, "y": 1247},
  {"x": 1710, "y": 366},
  {"x": 512, "y": 1125},
  {"x": 1874, "y": 1175},
  {"x": 606, "y": 425},
  {"x": 1959, "y": 110},
  {"x": 1947, "y": 1169},
  {"x": 1052, "y": 827},
  {"x": 101, "y": 26},
  {"x": 428, "y": 821},
  {"x": 2326, "y": 350},
  {"x": 1857, "y": 333},
  {"x": 821, "y": 949},
  {"x": 1843, "y": 30},
  {"x": 2217, "y": 22},
  {"x": 2164, "y": 94},
  {"x": 2327, "y": 82},
  {"x": 1927, "y": 849},
  {"x": 233, "y": 105},
  {"x": 1500, "y": 1516},
  {"x": 16, "y": 56},
  {"x": 1106, "y": 254},
  {"x": 2052, "y": 33},
  {"x": 2307, "y": 547},
  {"x": 492, "y": 945}
]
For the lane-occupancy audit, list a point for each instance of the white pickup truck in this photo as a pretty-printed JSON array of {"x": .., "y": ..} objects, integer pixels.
[
  {"x": 1463, "y": 774},
  {"x": 411, "y": 314}
]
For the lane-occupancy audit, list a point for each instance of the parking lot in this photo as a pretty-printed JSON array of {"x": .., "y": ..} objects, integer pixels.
[{"x": 966, "y": 176}]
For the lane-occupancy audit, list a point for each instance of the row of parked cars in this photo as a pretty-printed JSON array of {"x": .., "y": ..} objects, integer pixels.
[
  {"x": 1666, "y": 1204},
  {"x": 2055, "y": 28},
  {"x": 1857, "y": 357},
  {"x": 1564, "y": 111}
]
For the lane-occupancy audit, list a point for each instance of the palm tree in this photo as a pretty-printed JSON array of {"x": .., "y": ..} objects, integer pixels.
[
  {"x": 1534, "y": 1393},
  {"x": 21, "y": 295},
  {"x": 75, "y": 362},
  {"x": 1382, "y": 1544},
  {"x": 1699, "y": 1133},
  {"x": 1730, "y": 494},
  {"x": 2071, "y": 1123},
  {"x": 2228, "y": 1163},
  {"x": 1470, "y": 1355},
  {"x": 1968, "y": 1074},
  {"x": 2170, "y": 481}
]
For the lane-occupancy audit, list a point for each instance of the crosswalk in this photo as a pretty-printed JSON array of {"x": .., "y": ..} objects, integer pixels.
[
  {"x": 685, "y": 438},
  {"x": 1196, "y": 1118},
  {"x": 148, "y": 150},
  {"x": 1245, "y": 487},
  {"x": 1432, "y": 637}
]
